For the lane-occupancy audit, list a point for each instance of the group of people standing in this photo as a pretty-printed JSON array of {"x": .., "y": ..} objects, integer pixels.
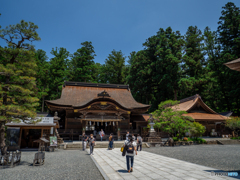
[{"x": 131, "y": 146}]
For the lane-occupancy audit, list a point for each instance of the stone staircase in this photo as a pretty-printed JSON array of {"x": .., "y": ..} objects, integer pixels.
[{"x": 228, "y": 142}]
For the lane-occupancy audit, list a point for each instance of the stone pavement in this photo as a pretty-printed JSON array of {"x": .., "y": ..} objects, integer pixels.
[{"x": 147, "y": 165}]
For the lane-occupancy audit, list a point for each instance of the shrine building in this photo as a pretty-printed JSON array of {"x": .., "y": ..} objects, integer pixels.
[
  {"x": 200, "y": 112},
  {"x": 89, "y": 107}
]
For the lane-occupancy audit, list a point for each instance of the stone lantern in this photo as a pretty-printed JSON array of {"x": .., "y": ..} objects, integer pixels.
[{"x": 151, "y": 124}]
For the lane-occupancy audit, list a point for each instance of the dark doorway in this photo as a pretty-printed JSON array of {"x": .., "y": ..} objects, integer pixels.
[{"x": 28, "y": 136}]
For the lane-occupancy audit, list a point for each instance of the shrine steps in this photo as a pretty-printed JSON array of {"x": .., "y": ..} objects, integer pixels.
[
  {"x": 228, "y": 142},
  {"x": 104, "y": 144}
]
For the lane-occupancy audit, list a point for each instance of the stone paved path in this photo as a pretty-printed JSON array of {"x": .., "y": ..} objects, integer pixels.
[{"x": 149, "y": 166}]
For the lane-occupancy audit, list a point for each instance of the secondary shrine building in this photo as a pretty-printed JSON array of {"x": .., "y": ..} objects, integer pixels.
[
  {"x": 89, "y": 107},
  {"x": 200, "y": 112}
]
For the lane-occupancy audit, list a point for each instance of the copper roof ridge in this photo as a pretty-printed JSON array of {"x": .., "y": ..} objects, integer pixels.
[
  {"x": 190, "y": 98},
  {"x": 102, "y": 85}
]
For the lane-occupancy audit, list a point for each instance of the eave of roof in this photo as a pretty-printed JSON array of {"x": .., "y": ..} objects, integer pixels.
[
  {"x": 206, "y": 116},
  {"x": 234, "y": 65},
  {"x": 31, "y": 125}
]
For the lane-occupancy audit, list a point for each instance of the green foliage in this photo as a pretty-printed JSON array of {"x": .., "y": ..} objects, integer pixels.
[
  {"x": 18, "y": 89},
  {"x": 197, "y": 129},
  {"x": 114, "y": 68},
  {"x": 175, "y": 138},
  {"x": 42, "y": 76},
  {"x": 59, "y": 71},
  {"x": 171, "y": 121},
  {"x": 199, "y": 140},
  {"x": 82, "y": 66},
  {"x": 235, "y": 138},
  {"x": 233, "y": 124}
]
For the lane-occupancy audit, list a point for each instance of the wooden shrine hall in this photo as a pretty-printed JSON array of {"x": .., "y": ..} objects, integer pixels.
[
  {"x": 200, "y": 112},
  {"x": 90, "y": 107}
]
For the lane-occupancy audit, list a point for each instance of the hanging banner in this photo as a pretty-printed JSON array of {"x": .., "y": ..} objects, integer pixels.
[{"x": 53, "y": 141}]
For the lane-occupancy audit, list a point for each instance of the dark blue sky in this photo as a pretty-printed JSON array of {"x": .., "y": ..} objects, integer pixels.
[{"x": 109, "y": 24}]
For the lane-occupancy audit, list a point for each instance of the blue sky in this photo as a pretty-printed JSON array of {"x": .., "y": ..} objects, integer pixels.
[{"x": 110, "y": 24}]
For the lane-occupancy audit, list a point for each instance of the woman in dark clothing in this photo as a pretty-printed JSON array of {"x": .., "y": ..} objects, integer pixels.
[{"x": 91, "y": 143}]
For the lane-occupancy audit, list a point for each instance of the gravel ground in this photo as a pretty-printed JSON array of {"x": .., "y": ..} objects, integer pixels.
[
  {"x": 222, "y": 157},
  {"x": 61, "y": 164}
]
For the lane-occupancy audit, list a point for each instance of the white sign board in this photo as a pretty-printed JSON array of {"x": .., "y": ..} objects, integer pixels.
[{"x": 45, "y": 119}]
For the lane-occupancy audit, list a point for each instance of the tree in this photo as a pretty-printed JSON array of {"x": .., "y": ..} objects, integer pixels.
[
  {"x": 82, "y": 65},
  {"x": 42, "y": 76},
  {"x": 229, "y": 38},
  {"x": 171, "y": 121},
  {"x": 115, "y": 68},
  {"x": 155, "y": 72},
  {"x": 197, "y": 129},
  {"x": 58, "y": 71},
  {"x": 194, "y": 62},
  {"x": 18, "y": 88},
  {"x": 234, "y": 125}
]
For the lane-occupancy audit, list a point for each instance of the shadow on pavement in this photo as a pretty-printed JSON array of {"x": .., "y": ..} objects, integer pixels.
[{"x": 122, "y": 171}]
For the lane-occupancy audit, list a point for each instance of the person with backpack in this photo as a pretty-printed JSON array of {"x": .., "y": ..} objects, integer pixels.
[
  {"x": 91, "y": 143},
  {"x": 130, "y": 147},
  {"x": 139, "y": 142}
]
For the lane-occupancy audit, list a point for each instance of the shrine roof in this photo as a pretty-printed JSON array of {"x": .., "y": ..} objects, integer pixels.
[
  {"x": 206, "y": 116},
  {"x": 234, "y": 65},
  {"x": 78, "y": 94},
  {"x": 188, "y": 105}
]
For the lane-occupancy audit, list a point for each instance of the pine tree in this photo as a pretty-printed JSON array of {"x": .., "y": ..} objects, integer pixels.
[
  {"x": 42, "y": 76},
  {"x": 59, "y": 71},
  {"x": 115, "y": 68},
  {"x": 82, "y": 65},
  {"x": 194, "y": 62},
  {"x": 18, "y": 87}
]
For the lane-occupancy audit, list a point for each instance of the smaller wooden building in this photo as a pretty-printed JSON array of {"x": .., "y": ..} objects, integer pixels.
[
  {"x": 23, "y": 135},
  {"x": 203, "y": 114}
]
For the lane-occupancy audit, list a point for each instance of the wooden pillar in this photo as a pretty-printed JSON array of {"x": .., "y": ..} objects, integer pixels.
[
  {"x": 118, "y": 132},
  {"x": 41, "y": 132},
  {"x": 83, "y": 127},
  {"x": 20, "y": 138},
  {"x": 66, "y": 122}
]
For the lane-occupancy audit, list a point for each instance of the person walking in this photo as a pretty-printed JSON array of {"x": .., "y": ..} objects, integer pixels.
[
  {"x": 110, "y": 142},
  {"x": 130, "y": 146},
  {"x": 139, "y": 142},
  {"x": 101, "y": 134},
  {"x": 91, "y": 143},
  {"x": 84, "y": 141},
  {"x": 134, "y": 138},
  {"x": 127, "y": 135}
]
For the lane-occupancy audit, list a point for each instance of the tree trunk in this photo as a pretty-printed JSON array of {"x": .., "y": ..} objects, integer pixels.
[
  {"x": 2, "y": 138},
  {"x": 43, "y": 103}
]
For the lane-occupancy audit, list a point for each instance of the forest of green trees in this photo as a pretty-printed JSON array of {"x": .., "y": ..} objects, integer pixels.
[{"x": 170, "y": 66}]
